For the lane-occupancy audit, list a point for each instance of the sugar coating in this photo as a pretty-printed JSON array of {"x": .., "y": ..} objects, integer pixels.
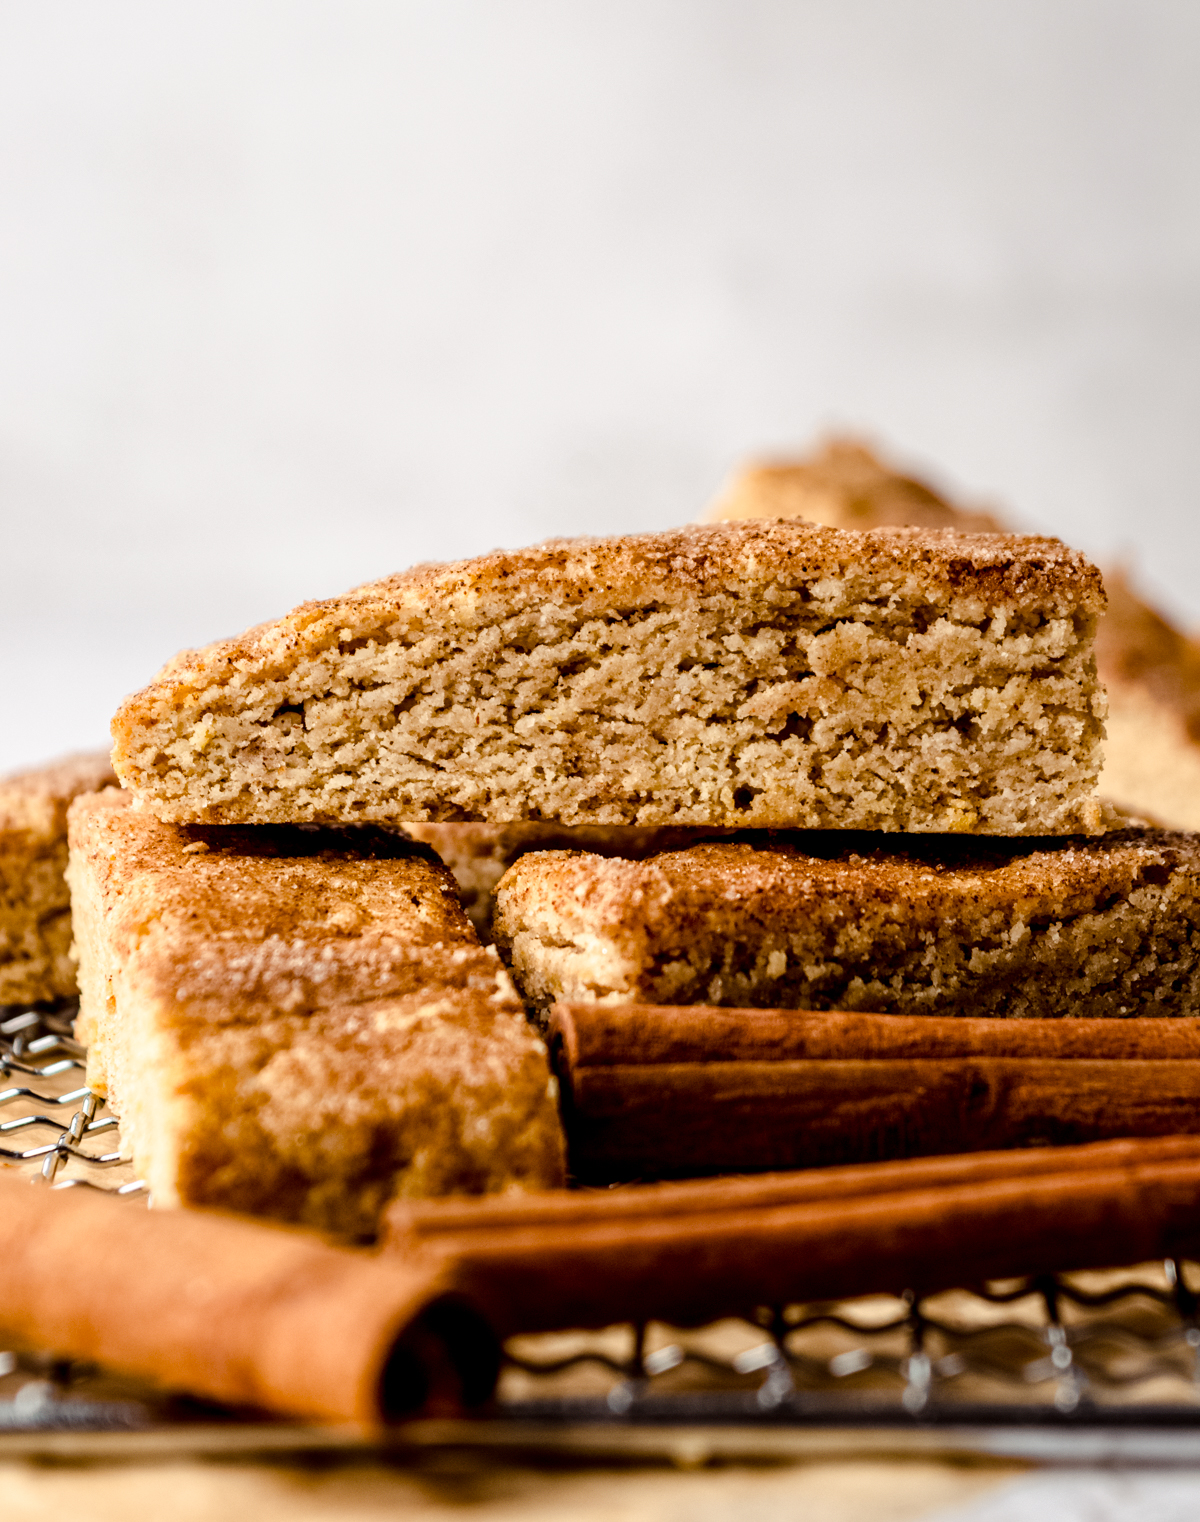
[
  {"x": 732, "y": 675},
  {"x": 299, "y": 1023},
  {"x": 1102, "y": 927},
  {"x": 35, "y": 903}
]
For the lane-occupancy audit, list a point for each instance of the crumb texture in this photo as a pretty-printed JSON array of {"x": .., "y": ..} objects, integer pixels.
[
  {"x": 300, "y": 1022},
  {"x": 35, "y": 904},
  {"x": 1107, "y": 927},
  {"x": 734, "y": 675}
]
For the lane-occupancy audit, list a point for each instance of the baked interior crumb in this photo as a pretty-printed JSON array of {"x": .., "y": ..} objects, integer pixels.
[
  {"x": 742, "y": 674},
  {"x": 1100, "y": 927},
  {"x": 1150, "y": 669},
  {"x": 297, "y": 1022},
  {"x": 1152, "y": 672},
  {"x": 35, "y": 903}
]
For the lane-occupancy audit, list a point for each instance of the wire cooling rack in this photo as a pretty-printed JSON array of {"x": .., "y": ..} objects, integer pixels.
[{"x": 1065, "y": 1365}]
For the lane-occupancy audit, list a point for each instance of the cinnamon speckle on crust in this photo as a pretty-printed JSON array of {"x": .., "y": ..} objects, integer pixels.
[{"x": 1102, "y": 927}]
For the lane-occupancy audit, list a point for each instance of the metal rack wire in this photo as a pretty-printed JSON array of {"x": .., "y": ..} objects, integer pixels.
[{"x": 1065, "y": 1349}]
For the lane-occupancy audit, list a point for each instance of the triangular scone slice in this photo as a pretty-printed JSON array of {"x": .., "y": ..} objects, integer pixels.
[
  {"x": 742, "y": 674},
  {"x": 299, "y": 1023},
  {"x": 1101, "y": 927}
]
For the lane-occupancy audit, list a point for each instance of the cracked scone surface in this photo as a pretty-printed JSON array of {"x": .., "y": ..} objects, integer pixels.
[
  {"x": 35, "y": 903},
  {"x": 734, "y": 675},
  {"x": 299, "y": 1023},
  {"x": 1150, "y": 670},
  {"x": 1099, "y": 927}
]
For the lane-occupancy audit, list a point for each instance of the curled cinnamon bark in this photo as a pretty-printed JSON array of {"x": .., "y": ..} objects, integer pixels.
[
  {"x": 654, "y": 1092},
  {"x": 688, "y": 1252},
  {"x": 246, "y": 1314}
]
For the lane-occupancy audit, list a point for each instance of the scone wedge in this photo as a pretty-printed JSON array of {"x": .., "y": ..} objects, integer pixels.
[
  {"x": 843, "y": 483},
  {"x": 1101, "y": 927},
  {"x": 1150, "y": 669},
  {"x": 480, "y": 854},
  {"x": 35, "y": 904},
  {"x": 731, "y": 675},
  {"x": 297, "y": 1022}
]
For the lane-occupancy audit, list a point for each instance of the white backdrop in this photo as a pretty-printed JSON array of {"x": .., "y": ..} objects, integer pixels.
[{"x": 294, "y": 294}]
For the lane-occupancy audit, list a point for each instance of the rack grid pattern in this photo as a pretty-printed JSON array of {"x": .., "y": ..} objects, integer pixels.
[{"x": 1116, "y": 1348}]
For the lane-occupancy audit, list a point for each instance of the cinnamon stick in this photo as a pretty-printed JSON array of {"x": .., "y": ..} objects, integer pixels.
[
  {"x": 608, "y": 1035},
  {"x": 244, "y": 1313},
  {"x": 654, "y": 1092},
  {"x": 686, "y": 1253}
]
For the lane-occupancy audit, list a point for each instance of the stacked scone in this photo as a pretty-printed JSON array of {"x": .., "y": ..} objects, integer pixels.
[{"x": 764, "y": 764}]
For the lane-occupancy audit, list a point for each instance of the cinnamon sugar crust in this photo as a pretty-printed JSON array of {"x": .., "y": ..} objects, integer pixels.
[
  {"x": 1101, "y": 927},
  {"x": 35, "y": 903},
  {"x": 733, "y": 675},
  {"x": 297, "y": 1022}
]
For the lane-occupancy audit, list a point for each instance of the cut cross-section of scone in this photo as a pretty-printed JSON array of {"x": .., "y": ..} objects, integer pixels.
[
  {"x": 742, "y": 674},
  {"x": 480, "y": 854},
  {"x": 1101, "y": 927},
  {"x": 35, "y": 904},
  {"x": 297, "y": 1022}
]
